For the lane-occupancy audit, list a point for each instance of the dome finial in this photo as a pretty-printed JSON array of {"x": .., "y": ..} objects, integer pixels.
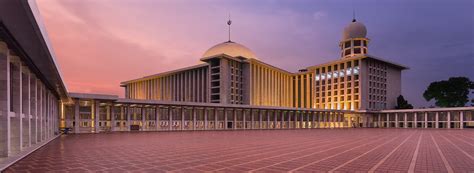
[
  {"x": 229, "y": 22},
  {"x": 353, "y": 15}
]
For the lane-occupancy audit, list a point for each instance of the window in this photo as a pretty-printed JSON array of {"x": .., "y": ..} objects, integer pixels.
[
  {"x": 347, "y": 44},
  {"x": 356, "y": 50},
  {"x": 347, "y": 52},
  {"x": 357, "y": 42}
]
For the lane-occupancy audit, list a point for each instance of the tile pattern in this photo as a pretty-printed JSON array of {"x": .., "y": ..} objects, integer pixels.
[{"x": 333, "y": 150}]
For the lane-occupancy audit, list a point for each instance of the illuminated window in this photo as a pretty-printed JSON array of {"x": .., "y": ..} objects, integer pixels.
[
  {"x": 356, "y": 70},
  {"x": 329, "y": 75},
  {"x": 317, "y": 77},
  {"x": 349, "y": 71}
]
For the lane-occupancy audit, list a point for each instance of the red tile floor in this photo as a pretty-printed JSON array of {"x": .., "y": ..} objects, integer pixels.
[{"x": 328, "y": 150}]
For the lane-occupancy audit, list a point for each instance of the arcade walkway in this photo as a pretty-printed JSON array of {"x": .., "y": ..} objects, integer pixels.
[{"x": 303, "y": 150}]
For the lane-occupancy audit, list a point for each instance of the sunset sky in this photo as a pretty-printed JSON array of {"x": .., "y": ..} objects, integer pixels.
[{"x": 99, "y": 43}]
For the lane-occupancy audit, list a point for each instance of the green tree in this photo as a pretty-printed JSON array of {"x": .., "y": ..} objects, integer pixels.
[
  {"x": 451, "y": 93},
  {"x": 402, "y": 103}
]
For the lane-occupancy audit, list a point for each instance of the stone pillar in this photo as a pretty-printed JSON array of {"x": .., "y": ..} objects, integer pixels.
[
  {"x": 415, "y": 120},
  {"x": 388, "y": 120},
  {"x": 129, "y": 114},
  {"x": 143, "y": 113},
  {"x": 112, "y": 117},
  {"x": 96, "y": 116},
  {"x": 170, "y": 117},
  {"x": 244, "y": 119},
  {"x": 205, "y": 118},
  {"x": 275, "y": 119},
  {"x": 313, "y": 120},
  {"x": 34, "y": 123},
  {"x": 397, "y": 123},
  {"x": 437, "y": 120},
  {"x": 77, "y": 121},
  {"x": 225, "y": 119},
  {"x": 157, "y": 117},
  {"x": 379, "y": 122},
  {"x": 282, "y": 122},
  {"x": 234, "y": 116},
  {"x": 215, "y": 117},
  {"x": 15, "y": 120},
  {"x": 405, "y": 122},
  {"x": 4, "y": 100},
  {"x": 449, "y": 120},
  {"x": 194, "y": 118},
  {"x": 426, "y": 120},
  {"x": 325, "y": 120},
  {"x": 461, "y": 120},
  {"x": 267, "y": 113},
  {"x": 252, "y": 116},
  {"x": 259, "y": 119},
  {"x": 182, "y": 117}
]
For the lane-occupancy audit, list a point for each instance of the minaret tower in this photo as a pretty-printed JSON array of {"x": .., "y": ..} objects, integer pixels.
[{"x": 354, "y": 40}]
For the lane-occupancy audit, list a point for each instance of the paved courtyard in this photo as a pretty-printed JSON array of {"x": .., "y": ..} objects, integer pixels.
[{"x": 338, "y": 150}]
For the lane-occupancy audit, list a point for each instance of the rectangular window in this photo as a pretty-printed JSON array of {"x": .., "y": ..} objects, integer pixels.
[
  {"x": 356, "y": 50},
  {"x": 347, "y": 44},
  {"x": 357, "y": 42}
]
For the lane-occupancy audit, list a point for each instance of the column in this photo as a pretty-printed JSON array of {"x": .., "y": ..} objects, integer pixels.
[
  {"x": 76, "y": 116},
  {"x": 129, "y": 112},
  {"x": 225, "y": 119},
  {"x": 275, "y": 119},
  {"x": 205, "y": 118},
  {"x": 252, "y": 116},
  {"x": 170, "y": 117},
  {"x": 259, "y": 119},
  {"x": 397, "y": 124},
  {"x": 388, "y": 120},
  {"x": 112, "y": 117},
  {"x": 15, "y": 120},
  {"x": 449, "y": 120},
  {"x": 461, "y": 119},
  {"x": 234, "y": 116},
  {"x": 96, "y": 116},
  {"x": 379, "y": 122},
  {"x": 313, "y": 123},
  {"x": 244, "y": 119},
  {"x": 267, "y": 112},
  {"x": 405, "y": 123},
  {"x": 143, "y": 112},
  {"x": 415, "y": 120},
  {"x": 282, "y": 122},
  {"x": 157, "y": 117},
  {"x": 215, "y": 118},
  {"x": 289, "y": 119},
  {"x": 426, "y": 120},
  {"x": 182, "y": 108},
  {"x": 295, "y": 113},
  {"x": 437, "y": 120},
  {"x": 194, "y": 118},
  {"x": 5, "y": 100},
  {"x": 325, "y": 119}
]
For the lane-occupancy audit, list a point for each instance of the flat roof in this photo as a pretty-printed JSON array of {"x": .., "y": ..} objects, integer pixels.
[{"x": 22, "y": 29}]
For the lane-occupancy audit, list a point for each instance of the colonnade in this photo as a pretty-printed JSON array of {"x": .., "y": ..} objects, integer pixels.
[
  {"x": 28, "y": 109},
  {"x": 426, "y": 118}
]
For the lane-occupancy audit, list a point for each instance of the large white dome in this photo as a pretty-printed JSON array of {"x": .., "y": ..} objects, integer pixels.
[
  {"x": 354, "y": 30},
  {"x": 230, "y": 48}
]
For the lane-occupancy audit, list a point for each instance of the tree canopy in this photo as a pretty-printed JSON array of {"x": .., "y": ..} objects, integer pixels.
[
  {"x": 453, "y": 92},
  {"x": 402, "y": 103}
]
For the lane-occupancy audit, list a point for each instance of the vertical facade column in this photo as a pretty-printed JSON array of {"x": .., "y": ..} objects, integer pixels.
[
  {"x": 225, "y": 119},
  {"x": 129, "y": 113},
  {"x": 267, "y": 113},
  {"x": 275, "y": 119},
  {"x": 244, "y": 119},
  {"x": 437, "y": 120},
  {"x": 157, "y": 117},
  {"x": 449, "y": 120},
  {"x": 112, "y": 117},
  {"x": 215, "y": 118},
  {"x": 289, "y": 119},
  {"x": 194, "y": 118},
  {"x": 282, "y": 114},
  {"x": 234, "y": 116},
  {"x": 96, "y": 116},
  {"x": 296, "y": 120},
  {"x": 415, "y": 119},
  {"x": 397, "y": 123},
  {"x": 379, "y": 122},
  {"x": 259, "y": 119},
  {"x": 252, "y": 117},
  {"x": 170, "y": 117},
  {"x": 182, "y": 108},
  {"x": 405, "y": 122},
  {"x": 388, "y": 120},
  {"x": 77, "y": 121},
  {"x": 426, "y": 120},
  {"x": 5, "y": 100},
  {"x": 313, "y": 123},
  {"x": 143, "y": 112},
  {"x": 461, "y": 120},
  {"x": 205, "y": 117}
]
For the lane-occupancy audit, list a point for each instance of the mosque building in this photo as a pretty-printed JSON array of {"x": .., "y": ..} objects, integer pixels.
[{"x": 231, "y": 73}]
